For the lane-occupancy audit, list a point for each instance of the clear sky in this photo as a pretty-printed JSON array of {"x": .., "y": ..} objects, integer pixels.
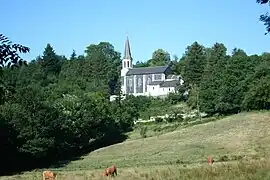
[{"x": 150, "y": 24}]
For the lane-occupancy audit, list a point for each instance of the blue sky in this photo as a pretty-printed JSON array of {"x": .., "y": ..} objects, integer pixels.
[{"x": 171, "y": 25}]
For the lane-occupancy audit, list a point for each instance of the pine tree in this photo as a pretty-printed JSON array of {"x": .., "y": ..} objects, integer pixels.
[
  {"x": 73, "y": 55},
  {"x": 50, "y": 62},
  {"x": 213, "y": 78},
  {"x": 231, "y": 92},
  {"x": 195, "y": 60}
]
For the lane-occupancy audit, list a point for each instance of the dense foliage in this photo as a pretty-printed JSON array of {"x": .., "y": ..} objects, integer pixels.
[
  {"x": 219, "y": 83},
  {"x": 56, "y": 108}
]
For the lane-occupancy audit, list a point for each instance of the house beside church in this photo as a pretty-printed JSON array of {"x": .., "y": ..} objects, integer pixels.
[{"x": 156, "y": 81}]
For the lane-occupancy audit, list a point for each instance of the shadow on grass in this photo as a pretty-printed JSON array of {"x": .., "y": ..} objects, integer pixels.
[
  {"x": 103, "y": 142},
  {"x": 20, "y": 164}
]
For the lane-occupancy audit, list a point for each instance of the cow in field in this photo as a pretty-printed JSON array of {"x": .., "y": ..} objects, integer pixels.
[
  {"x": 48, "y": 175},
  {"x": 110, "y": 171},
  {"x": 210, "y": 160}
]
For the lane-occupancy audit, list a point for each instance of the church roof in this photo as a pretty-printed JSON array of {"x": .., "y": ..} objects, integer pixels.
[
  {"x": 173, "y": 83},
  {"x": 173, "y": 76},
  {"x": 147, "y": 70},
  {"x": 127, "y": 53},
  {"x": 155, "y": 83}
]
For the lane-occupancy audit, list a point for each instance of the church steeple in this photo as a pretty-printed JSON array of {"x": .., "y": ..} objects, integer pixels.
[
  {"x": 127, "y": 54},
  {"x": 127, "y": 60}
]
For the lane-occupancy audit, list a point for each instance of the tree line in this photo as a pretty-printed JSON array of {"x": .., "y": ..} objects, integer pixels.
[
  {"x": 219, "y": 83},
  {"x": 56, "y": 108}
]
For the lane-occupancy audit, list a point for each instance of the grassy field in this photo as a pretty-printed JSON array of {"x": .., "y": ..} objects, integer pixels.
[{"x": 239, "y": 144}]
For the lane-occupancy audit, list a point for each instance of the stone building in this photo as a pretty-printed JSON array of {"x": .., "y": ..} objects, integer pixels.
[{"x": 147, "y": 81}]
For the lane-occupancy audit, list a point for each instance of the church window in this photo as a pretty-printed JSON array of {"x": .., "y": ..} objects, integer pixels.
[
  {"x": 130, "y": 82},
  {"x": 139, "y": 82},
  {"x": 169, "y": 89},
  {"x": 128, "y": 64},
  {"x": 157, "y": 77},
  {"x": 153, "y": 87},
  {"x": 124, "y": 64}
]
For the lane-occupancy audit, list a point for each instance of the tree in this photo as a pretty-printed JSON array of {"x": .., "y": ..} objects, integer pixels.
[
  {"x": 265, "y": 18},
  {"x": 141, "y": 64},
  {"x": 179, "y": 66},
  {"x": 160, "y": 57},
  {"x": 73, "y": 55},
  {"x": 213, "y": 78},
  {"x": 9, "y": 56},
  {"x": 195, "y": 58},
  {"x": 9, "y": 53},
  {"x": 105, "y": 65},
  {"x": 231, "y": 91},
  {"x": 81, "y": 57},
  {"x": 50, "y": 62},
  {"x": 257, "y": 94}
]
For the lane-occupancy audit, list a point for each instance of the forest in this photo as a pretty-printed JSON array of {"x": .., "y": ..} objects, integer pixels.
[{"x": 55, "y": 108}]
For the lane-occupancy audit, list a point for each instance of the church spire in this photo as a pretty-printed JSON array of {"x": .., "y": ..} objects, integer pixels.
[{"x": 127, "y": 54}]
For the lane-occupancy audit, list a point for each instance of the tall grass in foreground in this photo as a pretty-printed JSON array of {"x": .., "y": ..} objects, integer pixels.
[{"x": 255, "y": 170}]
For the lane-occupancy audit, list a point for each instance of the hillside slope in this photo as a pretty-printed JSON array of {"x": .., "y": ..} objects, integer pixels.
[
  {"x": 241, "y": 134},
  {"x": 232, "y": 138}
]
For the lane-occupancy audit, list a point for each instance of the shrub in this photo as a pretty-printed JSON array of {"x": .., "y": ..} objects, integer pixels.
[
  {"x": 170, "y": 119},
  {"x": 159, "y": 119}
]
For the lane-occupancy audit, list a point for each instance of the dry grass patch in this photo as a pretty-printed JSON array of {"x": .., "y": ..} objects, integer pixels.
[{"x": 255, "y": 170}]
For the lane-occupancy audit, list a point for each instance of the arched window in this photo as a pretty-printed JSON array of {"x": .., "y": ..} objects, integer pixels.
[
  {"x": 128, "y": 64},
  {"x": 124, "y": 64}
]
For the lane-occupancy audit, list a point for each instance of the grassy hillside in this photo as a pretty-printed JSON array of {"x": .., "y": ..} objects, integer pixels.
[{"x": 182, "y": 154}]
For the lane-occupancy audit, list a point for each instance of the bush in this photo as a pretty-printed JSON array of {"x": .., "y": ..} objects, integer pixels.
[
  {"x": 159, "y": 119},
  {"x": 174, "y": 98},
  {"x": 170, "y": 119}
]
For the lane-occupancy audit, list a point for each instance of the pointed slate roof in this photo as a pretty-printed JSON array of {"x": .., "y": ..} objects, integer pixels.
[{"x": 127, "y": 54}]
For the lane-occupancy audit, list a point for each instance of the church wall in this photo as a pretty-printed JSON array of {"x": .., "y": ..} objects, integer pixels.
[
  {"x": 139, "y": 83},
  {"x": 148, "y": 79},
  {"x": 122, "y": 80},
  {"x": 130, "y": 84}
]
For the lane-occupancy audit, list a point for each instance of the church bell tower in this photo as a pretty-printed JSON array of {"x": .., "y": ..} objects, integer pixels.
[
  {"x": 127, "y": 59},
  {"x": 126, "y": 65}
]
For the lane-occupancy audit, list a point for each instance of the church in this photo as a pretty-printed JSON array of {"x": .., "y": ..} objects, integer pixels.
[{"x": 156, "y": 81}]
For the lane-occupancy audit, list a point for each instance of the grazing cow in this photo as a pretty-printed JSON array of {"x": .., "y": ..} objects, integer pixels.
[
  {"x": 110, "y": 171},
  {"x": 48, "y": 175},
  {"x": 210, "y": 160}
]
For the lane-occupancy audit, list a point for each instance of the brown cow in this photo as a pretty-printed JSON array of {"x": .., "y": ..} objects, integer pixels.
[
  {"x": 110, "y": 171},
  {"x": 210, "y": 160},
  {"x": 48, "y": 175}
]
